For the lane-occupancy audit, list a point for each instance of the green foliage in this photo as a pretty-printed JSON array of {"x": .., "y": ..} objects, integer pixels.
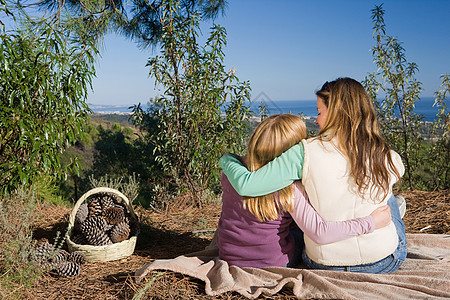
[
  {"x": 43, "y": 85},
  {"x": 201, "y": 113},
  {"x": 82, "y": 153},
  {"x": 117, "y": 118},
  {"x": 47, "y": 191},
  {"x": 263, "y": 111},
  {"x": 127, "y": 131},
  {"x": 437, "y": 156},
  {"x": 401, "y": 126},
  {"x": 115, "y": 154},
  {"x": 116, "y": 127},
  {"x": 138, "y": 20}
]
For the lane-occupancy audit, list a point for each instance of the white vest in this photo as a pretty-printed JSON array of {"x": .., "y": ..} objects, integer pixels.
[{"x": 333, "y": 193}]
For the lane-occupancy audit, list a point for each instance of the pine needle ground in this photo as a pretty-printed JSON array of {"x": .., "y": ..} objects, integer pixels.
[{"x": 180, "y": 230}]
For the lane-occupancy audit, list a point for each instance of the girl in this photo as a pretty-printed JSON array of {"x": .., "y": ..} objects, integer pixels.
[
  {"x": 347, "y": 171},
  {"x": 254, "y": 232}
]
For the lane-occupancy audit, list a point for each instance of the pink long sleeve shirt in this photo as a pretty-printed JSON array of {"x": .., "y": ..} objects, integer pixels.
[{"x": 244, "y": 241}]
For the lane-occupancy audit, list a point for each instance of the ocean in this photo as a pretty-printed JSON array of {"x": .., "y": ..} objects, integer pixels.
[{"x": 424, "y": 106}]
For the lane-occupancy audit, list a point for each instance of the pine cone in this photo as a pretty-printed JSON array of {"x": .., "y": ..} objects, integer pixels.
[
  {"x": 43, "y": 251},
  {"x": 97, "y": 237},
  {"x": 46, "y": 256},
  {"x": 122, "y": 205},
  {"x": 77, "y": 257},
  {"x": 59, "y": 256},
  {"x": 107, "y": 201},
  {"x": 120, "y": 232},
  {"x": 67, "y": 268},
  {"x": 79, "y": 239},
  {"x": 114, "y": 215},
  {"x": 81, "y": 214},
  {"x": 97, "y": 222},
  {"x": 116, "y": 199},
  {"x": 95, "y": 207}
]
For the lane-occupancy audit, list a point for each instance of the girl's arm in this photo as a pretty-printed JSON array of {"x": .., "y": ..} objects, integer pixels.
[
  {"x": 322, "y": 232},
  {"x": 277, "y": 174}
]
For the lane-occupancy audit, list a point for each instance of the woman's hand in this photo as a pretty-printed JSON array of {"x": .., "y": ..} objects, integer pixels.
[{"x": 382, "y": 216}]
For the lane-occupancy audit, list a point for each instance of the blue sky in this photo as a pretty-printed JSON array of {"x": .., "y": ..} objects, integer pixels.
[{"x": 288, "y": 48}]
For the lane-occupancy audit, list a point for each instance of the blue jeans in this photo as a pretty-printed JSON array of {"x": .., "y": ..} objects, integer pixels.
[{"x": 385, "y": 265}]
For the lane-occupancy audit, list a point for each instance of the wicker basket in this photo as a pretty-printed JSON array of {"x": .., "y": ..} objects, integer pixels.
[{"x": 107, "y": 252}]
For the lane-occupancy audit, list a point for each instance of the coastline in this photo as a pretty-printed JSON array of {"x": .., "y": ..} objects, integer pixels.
[{"x": 307, "y": 108}]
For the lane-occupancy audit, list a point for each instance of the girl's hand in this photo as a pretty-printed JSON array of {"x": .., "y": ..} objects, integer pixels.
[{"x": 381, "y": 216}]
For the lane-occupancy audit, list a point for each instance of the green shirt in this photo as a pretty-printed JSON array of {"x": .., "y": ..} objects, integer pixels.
[{"x": 277, "y": 174}]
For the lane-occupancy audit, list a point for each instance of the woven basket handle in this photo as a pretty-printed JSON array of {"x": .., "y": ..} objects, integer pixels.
[{"x": 96, "y": 191}]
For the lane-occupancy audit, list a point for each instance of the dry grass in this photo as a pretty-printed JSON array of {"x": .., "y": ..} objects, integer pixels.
[{"x": 181, "y": 230}]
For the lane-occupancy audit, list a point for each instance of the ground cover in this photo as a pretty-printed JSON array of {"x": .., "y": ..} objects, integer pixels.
[{"x": 180, "y": 230}]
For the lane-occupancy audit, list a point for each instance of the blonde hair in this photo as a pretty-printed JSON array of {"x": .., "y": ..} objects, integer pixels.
[
  {"x": 351, "y": 118},
  {"x": 270, "y": 139}
]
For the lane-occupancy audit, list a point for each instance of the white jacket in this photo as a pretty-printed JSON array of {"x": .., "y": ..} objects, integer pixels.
[{"x": 333, "y": 193}]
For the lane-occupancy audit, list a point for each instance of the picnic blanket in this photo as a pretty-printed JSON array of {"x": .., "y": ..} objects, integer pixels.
[{"x": 424, "y": 275}]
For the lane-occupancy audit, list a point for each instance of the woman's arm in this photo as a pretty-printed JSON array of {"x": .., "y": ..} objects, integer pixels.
[
  {"x": 322, "y": 232},
  {"x": 277, "y": 174}
]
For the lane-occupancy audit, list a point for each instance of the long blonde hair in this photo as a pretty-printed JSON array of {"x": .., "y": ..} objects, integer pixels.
[
  {"x": 351, "y": 118},
  {"x": 270, "y": 139}
]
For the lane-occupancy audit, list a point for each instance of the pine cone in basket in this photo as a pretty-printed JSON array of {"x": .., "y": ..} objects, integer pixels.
[
  {"x": 81, "y": 215},
  {"x": 67, "y": 269},
  {"x": 120, "y": 232},
  {"x": 114, "y": 215},
  {"x": 97, "y": 237},
  {"x": 97, "y": 222},
  {"x": 95, "y": 207},
  {"x": 79, "y": 239},
  {"x": 107, "y": 200},
  {"x": 77, "y": 257}
]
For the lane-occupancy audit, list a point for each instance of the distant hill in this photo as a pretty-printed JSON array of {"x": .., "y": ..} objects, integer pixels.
[{"x": 122, "y": 119}]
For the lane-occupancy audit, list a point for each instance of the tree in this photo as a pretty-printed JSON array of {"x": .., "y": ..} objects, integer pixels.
[
  {"x": 438, "y": 156},
  {"x": 43, "y": 85},
  {"x": 424, "y": 148},
  {"x": 395, "y": 77},
  {"x": 139, "y": 20},
  {"x": 202, "y": 112}
]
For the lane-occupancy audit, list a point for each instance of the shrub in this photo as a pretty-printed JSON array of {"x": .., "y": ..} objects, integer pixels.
[
  {"x": 43, "y": 85},
  {"x": 426, "y": 159},
  {"x": 17, "y": 215}
]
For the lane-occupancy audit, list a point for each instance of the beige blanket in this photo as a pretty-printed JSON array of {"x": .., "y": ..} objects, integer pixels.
[{"x": 424, "y": 275}]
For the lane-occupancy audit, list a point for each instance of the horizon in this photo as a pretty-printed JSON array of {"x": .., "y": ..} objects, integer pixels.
[
  {"x": 424, "y": 108},
  {"x": 272, "y": 100}
]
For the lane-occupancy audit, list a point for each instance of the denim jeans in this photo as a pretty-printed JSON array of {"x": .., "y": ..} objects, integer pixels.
[{"x": 385, "y": 265}]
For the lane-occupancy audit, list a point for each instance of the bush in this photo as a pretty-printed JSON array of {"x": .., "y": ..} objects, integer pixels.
[
  {"x": 43, "y": 85},
  {"x": 17, "y": 215},
  {"x": 426, "y": 159}
]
